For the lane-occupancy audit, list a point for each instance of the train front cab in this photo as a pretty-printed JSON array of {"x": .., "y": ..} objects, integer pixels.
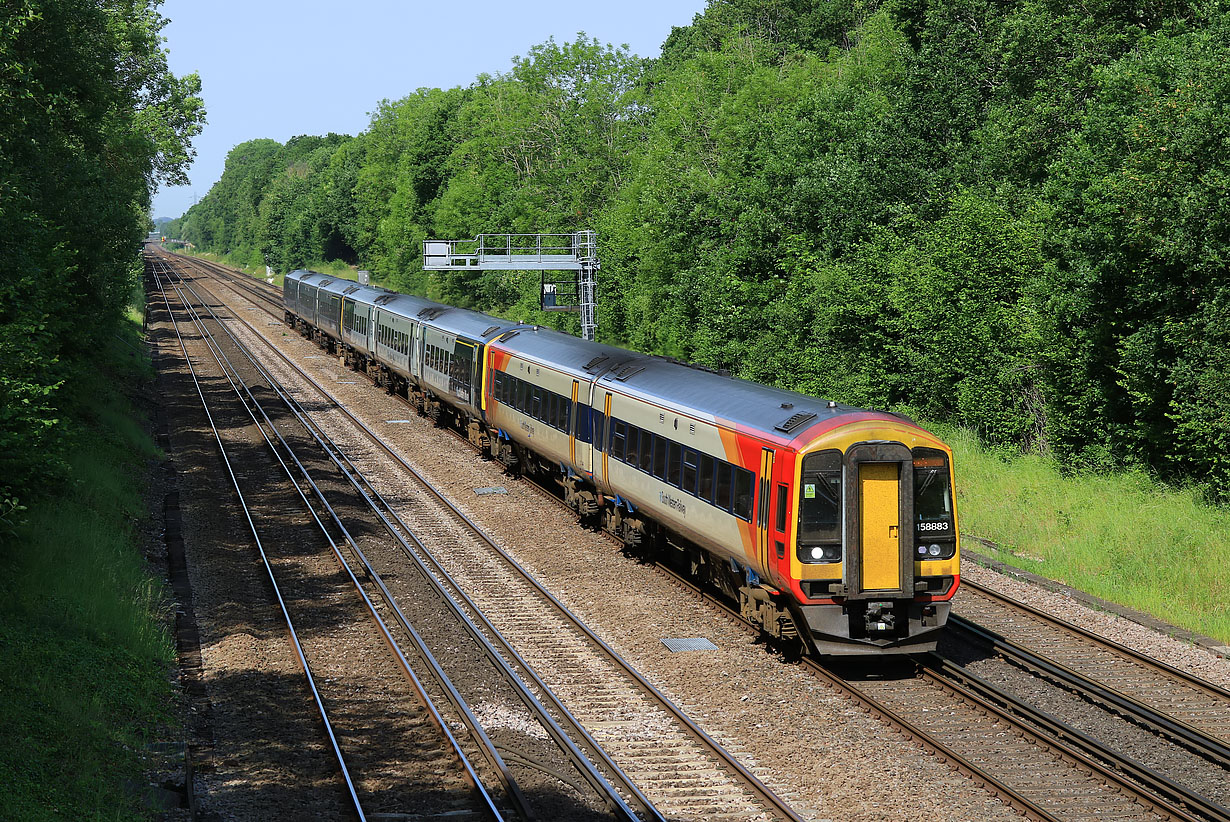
[{"x": 876, "y": 554}]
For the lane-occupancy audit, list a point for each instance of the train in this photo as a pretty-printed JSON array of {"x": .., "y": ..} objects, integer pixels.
[{"x": 831, "y": 528}]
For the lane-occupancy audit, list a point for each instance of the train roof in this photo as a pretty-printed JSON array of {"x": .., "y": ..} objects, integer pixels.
[
  {"x": 580, "y": 357},
  {"x": 403, "y": 305},
  {"x": 313, "y": 278},
  {"x": 464, "y": 322},
  {"x": 786, "y": 415}
]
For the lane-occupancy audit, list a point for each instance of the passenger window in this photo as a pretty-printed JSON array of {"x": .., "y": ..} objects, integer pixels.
[
  {"x": 646, "y": 451},
  {"x": 536, "y": 400},
  {"x": 743, "y": 493},
  {"x": 522, "y": 395},
  {"x": 674, "y": 465},
  {"x": 633, "y": 444},
  {"x": 705, "y": 490},
  {"x": 690, "y": 461},
  {"x": 584, "y": 422},
  {"x": 659, "y": 457},
  {"x": 618, "y": 435},
  {"x": 550, "y": 407},
  {"x": 781, "y": 507},
  {"x": 722, "y": 484}
]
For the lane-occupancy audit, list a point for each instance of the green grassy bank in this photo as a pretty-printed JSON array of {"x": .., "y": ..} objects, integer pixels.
[
  {"x": 83, "y": 654},
  {"x": 1121, "y": 537}
]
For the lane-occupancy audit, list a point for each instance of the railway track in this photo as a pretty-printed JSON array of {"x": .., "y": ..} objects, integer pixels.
[
  {"x": 684, "y": 773},
  {"x": 1042, "y": 767},
  {"x": 1169, "y": 701},
  {"x": 223, "y": 417},
  {"x": 514, "y": 804}
]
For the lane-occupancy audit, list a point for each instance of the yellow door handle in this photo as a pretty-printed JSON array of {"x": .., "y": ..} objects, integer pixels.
[{"x": 892, "y": 532}]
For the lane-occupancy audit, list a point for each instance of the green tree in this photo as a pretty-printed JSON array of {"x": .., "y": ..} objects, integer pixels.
[{"x": 92, "y": 121}]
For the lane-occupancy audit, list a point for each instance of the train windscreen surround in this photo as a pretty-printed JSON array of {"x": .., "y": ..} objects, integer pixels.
[
  {"x": 933, "y": 524},
  {"x": 820, "y": 508}
]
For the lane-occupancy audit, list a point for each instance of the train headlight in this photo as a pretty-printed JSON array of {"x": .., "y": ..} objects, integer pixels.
[
  {"x": 820, "y": 553},
  {"x": 936, "y": 550}
]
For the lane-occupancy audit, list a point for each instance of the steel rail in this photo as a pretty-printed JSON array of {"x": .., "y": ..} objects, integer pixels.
[
  {"x": 392, "y": 522},
  {"x": 1168, "y": 791},
  {"x": 302, "y": 657},
  {"x": 767, "y": 796},
  {"x": 1162, "y": 786},
  {"x": 485, "y": 743},
  {"x": 1194, "y": 739},
  {"x": 488, "y": 747},
  {"x": 1123, "y": 650}
]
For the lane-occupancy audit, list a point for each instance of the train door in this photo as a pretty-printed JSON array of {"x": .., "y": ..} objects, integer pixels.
[
  {"x": 763, "y": 508},
  {"x": 573, "y": 423},
  {"x": 461, "y": 371},
  {"x": 415, "y": 366},
  {"x": 878, "y": 512},
  {"x": 782, "y": 520},
  {"x": 600, "y": 432},
  {"x": 880, "y": 525}
]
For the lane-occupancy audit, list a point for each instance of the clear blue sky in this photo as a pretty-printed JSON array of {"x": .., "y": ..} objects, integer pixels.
[{"x": 278, "y": 69}]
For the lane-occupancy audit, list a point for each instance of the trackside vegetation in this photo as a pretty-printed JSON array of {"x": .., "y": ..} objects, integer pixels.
[
  {"x": 1118, "y": 536},
  {"x": 1008, "y": 216},
  {"x": 84, "y": 656},
  {"x": 91, "y": 120}
]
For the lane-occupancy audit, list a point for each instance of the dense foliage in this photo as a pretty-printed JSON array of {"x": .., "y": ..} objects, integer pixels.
[
  {"x": 90, "y": 120},
  {"x": 1008, "y": 216}
]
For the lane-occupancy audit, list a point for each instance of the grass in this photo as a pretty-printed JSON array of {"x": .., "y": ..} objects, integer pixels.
[
  {"x": 83, "y": 652},
  {"x": 1122, "y": 536}
]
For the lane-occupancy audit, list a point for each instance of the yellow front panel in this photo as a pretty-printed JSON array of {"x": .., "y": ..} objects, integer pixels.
[{"x": 880, "y": 517}]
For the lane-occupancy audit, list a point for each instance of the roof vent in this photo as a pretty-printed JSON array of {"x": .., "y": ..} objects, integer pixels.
[
  {"x": 787, "y": 405},
  {"x": 491, "y": 330},
  {"x": 431, "y": 312},
  {"x": 628, "y": 371},
  {"x": 795, "y": 421},
  {"x": 384, "y": 299},
  {"x": 592, "y": 365},
  {"x": 351, "y": 290}
]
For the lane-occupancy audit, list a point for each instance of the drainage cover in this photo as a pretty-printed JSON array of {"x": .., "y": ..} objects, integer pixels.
[
  {"x": 494, "y": 489},
  {"x": 697, "y": 643}
]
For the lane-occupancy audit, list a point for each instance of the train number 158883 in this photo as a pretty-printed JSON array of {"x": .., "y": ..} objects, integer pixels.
[{"x": 933, "y": 526}]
